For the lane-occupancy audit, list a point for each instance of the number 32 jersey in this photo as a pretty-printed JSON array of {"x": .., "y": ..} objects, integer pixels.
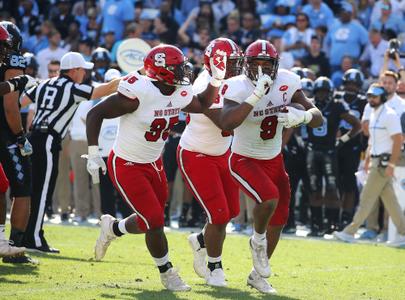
[
  {"x": 142, "y": 134},
  {"x": 260, "y": 135}
]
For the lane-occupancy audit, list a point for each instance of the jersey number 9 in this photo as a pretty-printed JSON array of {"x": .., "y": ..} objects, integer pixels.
[{"x": 268, "y": 127}]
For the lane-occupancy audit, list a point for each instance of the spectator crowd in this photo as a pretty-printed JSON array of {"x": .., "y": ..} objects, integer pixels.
[{"x": 314, "y": 38}]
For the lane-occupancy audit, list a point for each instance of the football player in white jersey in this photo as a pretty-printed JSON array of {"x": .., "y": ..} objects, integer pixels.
[
  {"x": 148, "y": 106},
  {"x": 256, "y": 108},
  {"x": 202, "y": 157}
]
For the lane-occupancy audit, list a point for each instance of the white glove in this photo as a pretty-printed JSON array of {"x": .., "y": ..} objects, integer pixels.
[
  {"x": 294, "y": 117},
  {"x": 31, "y": 82},
  {"x": 94, "y": 163},
  {"x": 218, "y": 68},
  {"x": 263, "y": 83}
]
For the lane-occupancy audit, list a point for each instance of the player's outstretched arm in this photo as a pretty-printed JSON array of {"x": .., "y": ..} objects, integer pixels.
[
  {"x": 17, "y": 83},
  {"x": 105, "y": 89},
  {"x": 312, "y": 116},
  {"x": 204, "y": 100},
  {"x": 113, "y": 106}
]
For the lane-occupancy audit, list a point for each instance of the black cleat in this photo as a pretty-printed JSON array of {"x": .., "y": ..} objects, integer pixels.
[
  {"x": 316, "y": 231},
  {"x": 43, "y": 249},
  {"x": 64, "y": 217},
  {"x": 20, "y": 259},
  {"x": 289, "y": 229}
]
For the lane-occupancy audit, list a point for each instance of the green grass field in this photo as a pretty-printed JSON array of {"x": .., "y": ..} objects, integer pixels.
[{"x": 302, "y": 269}]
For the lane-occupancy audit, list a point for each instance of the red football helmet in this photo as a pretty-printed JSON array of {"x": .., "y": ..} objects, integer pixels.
[
  {"x": 167, "y": 64},
  {"x": 261, "y": 50},
  {"x": 234, "y": 62},
  {"x": 5, "y": 43}
]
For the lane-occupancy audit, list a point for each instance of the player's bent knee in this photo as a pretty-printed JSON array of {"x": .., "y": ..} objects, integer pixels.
[
  {"x": 234, "y": 212},
  {"x": 270, "y": 204},
  {"x": 220, "y": 218}
]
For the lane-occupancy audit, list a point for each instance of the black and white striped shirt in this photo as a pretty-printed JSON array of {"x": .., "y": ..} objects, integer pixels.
[{"x": 56, "y": 101}]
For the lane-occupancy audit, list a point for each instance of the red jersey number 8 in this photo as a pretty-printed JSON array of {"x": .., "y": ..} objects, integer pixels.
[{"x": 268, "y": 127}]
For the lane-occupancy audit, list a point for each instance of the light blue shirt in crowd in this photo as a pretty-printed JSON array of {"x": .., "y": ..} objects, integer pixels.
[
  {"x": 34, "y": 45},
  {"x": 345, "y": 40},
  {"x": 283, "y": 20},
  {"x": 394, "y": 22},
  {"x": 293, "y": 35},
  {"x": 115, "y": 14},
  {"x": 321, "y": 17}
]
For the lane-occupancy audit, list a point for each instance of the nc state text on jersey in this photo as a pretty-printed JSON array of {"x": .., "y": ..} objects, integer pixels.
[
  {"x": 167, "y": 112},
  {"x": 268, "y": 111}
]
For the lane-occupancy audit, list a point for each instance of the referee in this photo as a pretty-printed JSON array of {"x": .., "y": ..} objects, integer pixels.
[{"x": 56, "y": 100}]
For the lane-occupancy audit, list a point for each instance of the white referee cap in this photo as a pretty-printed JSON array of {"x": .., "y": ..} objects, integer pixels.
[
  {"x": 73, "y": 60},
  {"x": 111, "y": 74}
]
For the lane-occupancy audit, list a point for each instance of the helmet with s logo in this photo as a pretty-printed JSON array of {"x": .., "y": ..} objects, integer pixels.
[
  {"x": 167, "y": 64},
  {"x": 234, "y": 63}
]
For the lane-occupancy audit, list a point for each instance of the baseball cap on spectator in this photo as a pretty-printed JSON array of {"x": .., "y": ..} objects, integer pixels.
[
  {"x": 73, "y": 60},
  {"x": 111, "y": 74},
  {"x": 346, "y": 7}
]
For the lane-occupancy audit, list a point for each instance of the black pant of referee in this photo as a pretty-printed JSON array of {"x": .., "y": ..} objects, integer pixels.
[{"x": 45, "y": 158}]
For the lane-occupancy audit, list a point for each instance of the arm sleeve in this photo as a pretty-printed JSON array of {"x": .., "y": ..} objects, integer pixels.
[
  {"x": 31, "y": 93},
  {"x": 393, "y": 123},
  {"x": 234, "y": 92},
  {"x": 82, "y": 92},
  {"x": 403, "y": 122},
  {"x": 366, "y": 113},
  {"x": 129, "y": 86}
]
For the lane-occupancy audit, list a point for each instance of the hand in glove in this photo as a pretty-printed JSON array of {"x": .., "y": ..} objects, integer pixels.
[
  {"x": 218, "y": 68},
  {"x": 294, "y": 117},
  {"x": 341, "y": 141},
  {"x": 263, "y": 84},
  {"x": 22, "y": 82},
  {"x": 94, "y": 163},
  {"x": 24, "y": 145}
]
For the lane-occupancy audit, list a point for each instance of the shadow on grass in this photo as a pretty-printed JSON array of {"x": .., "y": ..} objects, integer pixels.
[
  {"x": 59, "y": 257},
  {"x": 80, "y": 259},
  {"x": 232, "y": 293},
  {"x": 17, "y": 269},
  {"x": 146, "y": 294},
  {"x": 217, "y": 293}
]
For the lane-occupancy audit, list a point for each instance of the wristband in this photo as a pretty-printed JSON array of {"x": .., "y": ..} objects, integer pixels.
[
  {"x": 93, "y": 150},
  {"x": 215, "y": 82},
  {"x": 252, "y": 99},
  {"x": 345, "y": 138},
  {"x": 12, "y": 86},
  {"x": 307, "y": 117}
]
